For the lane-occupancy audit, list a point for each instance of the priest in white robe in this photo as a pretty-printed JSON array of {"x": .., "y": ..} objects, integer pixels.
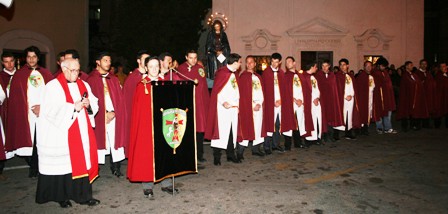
[{"x": 68, "y": 158}]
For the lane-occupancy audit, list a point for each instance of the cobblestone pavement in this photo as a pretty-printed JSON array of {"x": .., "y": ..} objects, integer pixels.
[{"x": 401, "y": 173}]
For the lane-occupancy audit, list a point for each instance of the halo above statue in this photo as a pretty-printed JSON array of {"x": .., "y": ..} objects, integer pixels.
[{"x": 217, "y": 16}]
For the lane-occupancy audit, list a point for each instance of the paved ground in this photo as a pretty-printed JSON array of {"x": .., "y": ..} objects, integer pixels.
[{"x": 402, "y": 173}]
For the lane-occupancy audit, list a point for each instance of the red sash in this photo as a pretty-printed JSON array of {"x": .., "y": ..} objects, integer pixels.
[{"x": 79, "y": 168}]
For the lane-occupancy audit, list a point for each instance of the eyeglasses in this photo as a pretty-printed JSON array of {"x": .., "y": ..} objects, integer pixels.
[{"x": 72, "y": 70}]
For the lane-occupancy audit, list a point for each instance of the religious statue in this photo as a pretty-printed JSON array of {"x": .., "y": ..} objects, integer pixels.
[{"x": 217, "y": 48}]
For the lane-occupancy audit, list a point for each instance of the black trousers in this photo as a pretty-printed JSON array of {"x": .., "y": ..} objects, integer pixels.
[
  {"x": 230, "y": 151},
  {"x": 200, "y": 144}
]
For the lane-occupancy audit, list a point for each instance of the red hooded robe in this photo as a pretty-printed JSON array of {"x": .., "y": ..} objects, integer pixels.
[
  {"x": 18, "y": 134},
  {"x": 95, "y": 81},
  {"x": 222, "y": 75},
  {"x": 412, "y": 97},
  {"x": 246, "y": 109},
  {"x": 329, "y": 99}
]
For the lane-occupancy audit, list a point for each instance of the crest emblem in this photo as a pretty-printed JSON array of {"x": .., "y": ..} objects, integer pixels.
[
  {"x": 36, "y": 80},
  {"x": 201, "y": 72},
  {"x": 234, "y": 82},
  {"x": 174, "y": 121},
  {"x": 256, "y": 85},
  {"x": 296, "y": 81},
  {"x": 348, "y": 80},
  {"x": 313, "y": 82}
]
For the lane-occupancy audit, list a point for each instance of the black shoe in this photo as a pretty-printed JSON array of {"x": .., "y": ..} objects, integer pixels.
[
  {"x": 65, "y": 204},
  {"x": 148, "y": 193},
  {"x": 202, "y": 160},
  {"x": 233, "y": 159},
  {"x": 170, "y": 190},
  {"x": 217, "y": 161},
  {"x": 117, "y": 173},
  {"x": 33, "y": 173},
  {"x": 268, "y": 152},
  {"x": 91, "y": 202},
  {"x": 279, "y": 149},
  {"x": 258, "y": 153},
  {"x": 350, "y": 137}
]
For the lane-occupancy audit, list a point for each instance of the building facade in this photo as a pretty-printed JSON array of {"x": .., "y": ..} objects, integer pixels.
[
  {"x": 51, "y": 25},
  {"x": 311, "y": 30}
]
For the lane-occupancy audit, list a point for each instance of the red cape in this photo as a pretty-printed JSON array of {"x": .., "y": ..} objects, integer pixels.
[
  {"x": 222, "y": 75},
  {"x": 441, "y": 95},
  {"x": 412, "y": 98},
  {"x": 362, "y": 95},
  {"x": 288, "y": 116},
  {"x": 128, "y": 91},
  {"x": 175, "y": 76},
  {"x": 246, "y": 110},
  {"x": 340, "y": 81},
  {"x": 2, "y": 148},
  {"x": 202, "y": 96},
  {"x": 18, "y": 134},
  {"x": 4, "y": 81},
  {"x": 269, "y": 101},
  {"x": 141, "y": 144},
  {"x": 429, "y": 86},
  {"x": 383, "y": 94},
  {"x": 95, "y": 81},
  {"x": 329, "y": 99},
  {"x": 305, "y": 79}
]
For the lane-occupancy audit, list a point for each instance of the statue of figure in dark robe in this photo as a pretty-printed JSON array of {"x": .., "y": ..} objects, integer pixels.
[{"x": 217, "y": 44}]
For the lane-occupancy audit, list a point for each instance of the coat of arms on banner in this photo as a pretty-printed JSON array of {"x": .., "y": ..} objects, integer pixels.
[{"x": 174, "y": 121}]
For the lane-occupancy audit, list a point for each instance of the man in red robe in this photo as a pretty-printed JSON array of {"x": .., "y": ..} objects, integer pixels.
[
  {"x": 441, "y": 96},
  {"x": 166, "y": 62},
  {"x": 141, "y": 145},
  {"x": 24, "y": 108},
  {"x": 329, "y": 100},
  {"x": 251, "y": 107},
  {"x": 429, "y": 85},
  {"x": 274, "y": 114},
  {"x": 347, "y": 100},
  {"x": 412, "y": 106},
  {"x": 8, "y": 63},
  {"x": 288, "y": 102},
  {"x": 383, "y": 98},
  {"x": 109, "y": 122},
  {"x": 365, "y": 85},
  {"x": 191, "y": 70},
  {"x": 223, "y": 119},
  {"x": 129, "y": 87}
]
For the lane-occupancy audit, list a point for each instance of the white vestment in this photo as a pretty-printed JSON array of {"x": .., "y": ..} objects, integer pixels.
[
  {"x": 56, "y": 117},
  {"x": 227, "y": 118},
  {"x": 277, "y": 110},
  {"x": 348, "y": 105},
  {"x": 298, "y": 95},
  {"x": 371, "y": 87},
  {"x": 316, "y": 111},
  {"x": 257, "y": 98}
]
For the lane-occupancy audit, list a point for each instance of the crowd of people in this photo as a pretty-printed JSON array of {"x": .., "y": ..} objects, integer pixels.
[{"x": 65, "y": 123}]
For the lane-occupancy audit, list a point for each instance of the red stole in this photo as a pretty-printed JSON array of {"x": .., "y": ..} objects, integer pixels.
[
  {"x": 141, "y": 144},
  {"x": 77, "y": 158}
]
